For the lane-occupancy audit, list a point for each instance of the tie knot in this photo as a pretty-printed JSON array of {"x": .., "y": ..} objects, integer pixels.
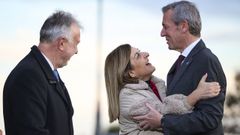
[
  {"x": 179, "y": 61},
  {"x": 180, "y": 58}
]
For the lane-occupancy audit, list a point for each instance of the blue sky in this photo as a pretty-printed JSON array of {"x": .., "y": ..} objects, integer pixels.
[{"x": 137, "y": 22}]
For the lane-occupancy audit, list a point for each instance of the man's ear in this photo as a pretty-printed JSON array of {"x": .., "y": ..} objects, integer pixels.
[
  {"x": 184, "y": 26},
  {"x": 60, "y": 43}
]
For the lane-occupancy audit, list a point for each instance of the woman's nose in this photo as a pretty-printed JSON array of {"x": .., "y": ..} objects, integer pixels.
[{"x": 146, "y": 54}]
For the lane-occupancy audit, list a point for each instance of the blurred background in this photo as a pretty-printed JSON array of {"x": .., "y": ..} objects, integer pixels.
[{"x": 107, "y": 24}]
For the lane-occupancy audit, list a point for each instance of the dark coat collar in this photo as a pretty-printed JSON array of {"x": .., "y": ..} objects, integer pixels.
[{"x": 43, "y": 64}]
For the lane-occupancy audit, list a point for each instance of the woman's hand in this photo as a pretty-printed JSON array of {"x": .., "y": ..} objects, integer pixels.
[{"x": 204, "y": 90}]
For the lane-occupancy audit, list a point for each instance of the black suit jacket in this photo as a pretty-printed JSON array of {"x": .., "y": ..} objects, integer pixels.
[
  {"x": 207, "y": 114},
  {"x": 34, "y": 102}
]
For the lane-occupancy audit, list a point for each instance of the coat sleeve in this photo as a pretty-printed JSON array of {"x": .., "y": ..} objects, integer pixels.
[{"x": 174, "y": 104}]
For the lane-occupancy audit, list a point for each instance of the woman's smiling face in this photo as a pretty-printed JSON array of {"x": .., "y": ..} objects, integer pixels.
[{"x": 141, "y": 68}]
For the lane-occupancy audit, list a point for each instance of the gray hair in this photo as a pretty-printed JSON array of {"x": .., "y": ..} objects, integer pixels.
[
  {"x": 185, "y": 10},
  {"x": 57, "y": 25}
]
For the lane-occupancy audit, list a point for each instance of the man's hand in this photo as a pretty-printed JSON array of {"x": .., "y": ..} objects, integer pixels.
[{"x": 151, "y": 120}]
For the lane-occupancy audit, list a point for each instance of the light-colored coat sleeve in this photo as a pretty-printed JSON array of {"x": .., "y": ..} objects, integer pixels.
[{"x": 174, "y": 104}]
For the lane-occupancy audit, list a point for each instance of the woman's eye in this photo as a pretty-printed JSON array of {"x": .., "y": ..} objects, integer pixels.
[{"x": 138, "y": 55}]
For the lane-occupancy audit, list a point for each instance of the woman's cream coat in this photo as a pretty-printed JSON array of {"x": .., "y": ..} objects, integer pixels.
[{"x": 132, "y": 102}]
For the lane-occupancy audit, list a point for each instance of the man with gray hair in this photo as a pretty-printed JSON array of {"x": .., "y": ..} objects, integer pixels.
[
  {"x": 35, "y": 99},
  {"x": 182, "y": 30}
]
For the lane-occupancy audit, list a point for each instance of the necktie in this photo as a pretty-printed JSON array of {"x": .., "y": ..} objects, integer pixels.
[
  {"x": 56, "y": 74},
  {"x": 154, "y": 89},
  {"x": 179, "y": 61}
]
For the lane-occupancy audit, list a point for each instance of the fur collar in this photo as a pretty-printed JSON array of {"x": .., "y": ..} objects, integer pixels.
[{"x": 142, "y": 84}]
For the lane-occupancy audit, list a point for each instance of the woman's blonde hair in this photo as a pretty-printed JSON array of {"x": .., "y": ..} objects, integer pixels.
[{"x": 117, "y": 65}]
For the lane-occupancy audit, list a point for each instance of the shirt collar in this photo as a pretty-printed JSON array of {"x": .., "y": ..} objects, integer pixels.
[
  {"x": 49, "y": 62},
  {"x": 187, "y": 50}
]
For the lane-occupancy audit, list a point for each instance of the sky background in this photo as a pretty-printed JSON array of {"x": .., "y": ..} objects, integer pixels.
[{"x": 137, "y": 22}]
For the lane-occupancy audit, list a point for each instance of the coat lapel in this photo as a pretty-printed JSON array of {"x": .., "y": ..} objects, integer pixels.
[
  {"x": 60, "y": 88},
  {"x": 172, "y": 77},
  {"x": 62, "y": 91},
  {"x": 170, "y": 74},
  {"x": 177, "y": 76}
]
